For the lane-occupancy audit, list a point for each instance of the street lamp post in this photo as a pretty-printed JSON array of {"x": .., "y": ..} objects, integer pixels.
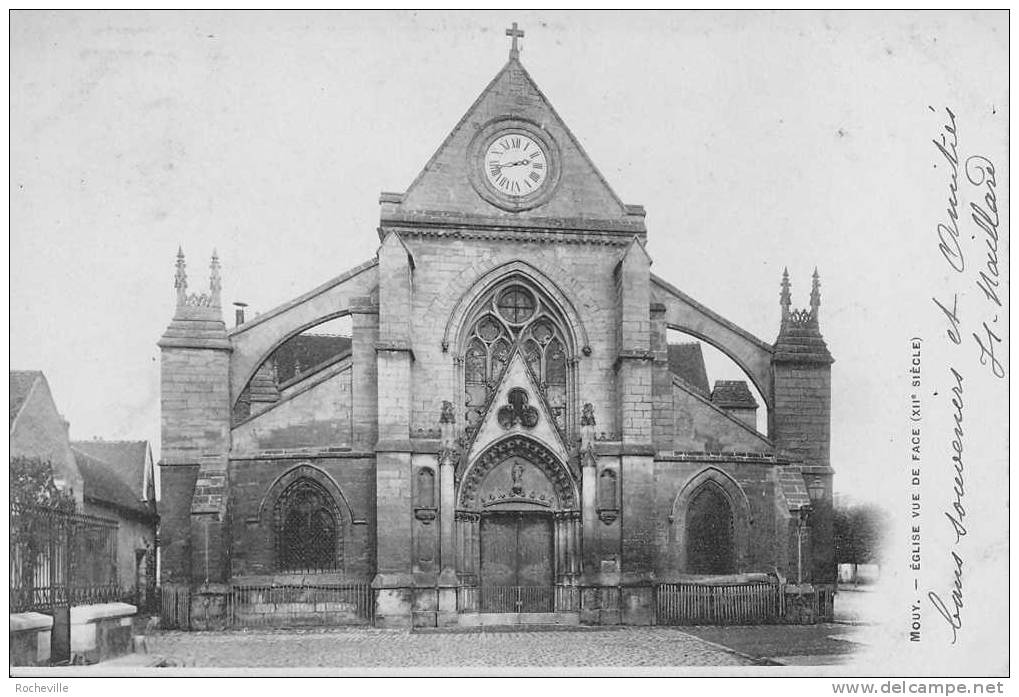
[{"x": 801, "y": 524}]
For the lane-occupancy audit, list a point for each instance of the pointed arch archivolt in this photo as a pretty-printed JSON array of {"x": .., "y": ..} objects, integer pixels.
[
  {"x": 739, "y": 505},
  {"x": 305, "y": 470},
  {"x": 466, "y": 303},
  {"x": 559, "y": 474},
  {"x": 516, "y": 310}
]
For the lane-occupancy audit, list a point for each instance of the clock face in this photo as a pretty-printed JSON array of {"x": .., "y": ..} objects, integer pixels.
[{"x": 516, "y": 164}]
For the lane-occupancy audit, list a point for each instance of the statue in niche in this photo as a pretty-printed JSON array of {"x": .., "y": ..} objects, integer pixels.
[{"x": 517, "y": 473}]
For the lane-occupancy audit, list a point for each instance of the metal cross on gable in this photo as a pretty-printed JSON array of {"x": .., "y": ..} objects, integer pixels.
[{"x": 515, "y": 34}]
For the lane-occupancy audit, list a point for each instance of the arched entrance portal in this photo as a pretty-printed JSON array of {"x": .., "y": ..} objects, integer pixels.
[{"x": 518, "y": 530}]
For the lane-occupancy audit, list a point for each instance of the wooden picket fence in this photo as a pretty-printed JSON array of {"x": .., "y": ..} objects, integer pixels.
[
  {"x": 175, "y": 606},
  {"x": 691, "y": 603},
  {"x": 824, "y": 602}
]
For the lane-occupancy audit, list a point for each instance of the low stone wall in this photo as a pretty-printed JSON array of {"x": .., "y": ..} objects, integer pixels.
[
  {"x": 30, "y": 636},
  {"x": 101, "y": 632},
  {"x": 808, "y": 603},
  {"x": 401, "y": 601},
  {"x": 280, "y": 602},
  {"x": 610, "y": 605}
]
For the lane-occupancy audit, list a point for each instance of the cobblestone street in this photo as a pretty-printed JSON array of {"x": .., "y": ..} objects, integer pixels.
[{"x": 377, "y": 648}]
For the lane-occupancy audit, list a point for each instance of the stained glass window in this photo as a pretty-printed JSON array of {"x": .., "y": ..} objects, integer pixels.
[
  {"x": 515, "y": 316},
  {"x": 307, "y": 531},
  {"x": 516, "y": 304},
  {"x": 475, "y": 362}
]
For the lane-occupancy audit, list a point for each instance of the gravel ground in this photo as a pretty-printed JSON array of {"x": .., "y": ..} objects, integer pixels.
[
  {"x": 768, "y": 641},
  {"x": 375, "y": 648}
]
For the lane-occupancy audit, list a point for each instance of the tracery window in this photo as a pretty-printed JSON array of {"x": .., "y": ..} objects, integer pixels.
[
  {"x": 309, "y": 536},
  {"x": 515, "y": 315}
]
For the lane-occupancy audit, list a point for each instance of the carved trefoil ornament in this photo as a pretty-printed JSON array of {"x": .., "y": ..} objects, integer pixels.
[{"x": 517, "y": 411}]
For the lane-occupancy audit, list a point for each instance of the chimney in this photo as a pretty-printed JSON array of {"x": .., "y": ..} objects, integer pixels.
[{"x": 239, "y": 313}]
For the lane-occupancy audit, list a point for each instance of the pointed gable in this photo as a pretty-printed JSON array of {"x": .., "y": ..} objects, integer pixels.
[
  {"x": 517, "y": 376},
  {"x": 452, "y": 188},
  {"x": 21, "y": 384}
]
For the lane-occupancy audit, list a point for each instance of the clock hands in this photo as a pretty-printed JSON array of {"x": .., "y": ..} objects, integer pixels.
[{"x": 495, "y": 165}]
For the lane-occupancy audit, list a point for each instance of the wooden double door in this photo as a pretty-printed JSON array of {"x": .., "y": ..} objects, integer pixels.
[{"x": 517, "y": 562}]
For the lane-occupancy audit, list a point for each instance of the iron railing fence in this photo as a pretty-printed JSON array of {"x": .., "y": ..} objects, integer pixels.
[
  {"x": 518, "y": 599},
  {"x": 567, "y": 599},
  {"x": 59, "y": 558},
  {"x": 691, "y": 603},
  {"x": 304, "y": 604}
]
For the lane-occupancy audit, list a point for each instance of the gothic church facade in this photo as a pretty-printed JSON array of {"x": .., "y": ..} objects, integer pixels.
[{"x": 506, "y": 412}]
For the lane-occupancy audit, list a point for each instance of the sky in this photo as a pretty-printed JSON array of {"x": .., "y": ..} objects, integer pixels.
[{"x": 755, "y": 140}]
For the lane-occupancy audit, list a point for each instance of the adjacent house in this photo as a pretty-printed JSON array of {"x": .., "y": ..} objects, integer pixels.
[
  {"x": 109, "y": 479},
  {"x": 119, "y": 484},
  {"x": 38, "y": 430}
]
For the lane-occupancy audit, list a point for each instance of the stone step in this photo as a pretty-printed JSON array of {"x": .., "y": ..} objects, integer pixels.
[{"x": 487, "y": 619}]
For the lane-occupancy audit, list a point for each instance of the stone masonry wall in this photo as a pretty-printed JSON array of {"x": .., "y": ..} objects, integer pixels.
[
  {"x": 759, "y": 484},
  {"x": 318, "y": 417},
  {"x": 447, "y": 269},
  {"x": 195, "y": 403},
  {"x": 254, "y": 544},
  {"x": 177, "y": 484},
  {"x": 195, "y": 409},
  {"x": 698, "y": 426},
  {"x": 582, "y": 191},
  {"x": 802, "y": 414}
]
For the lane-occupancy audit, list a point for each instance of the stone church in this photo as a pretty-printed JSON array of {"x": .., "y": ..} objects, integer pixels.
[{"x": 507, "y": 424}]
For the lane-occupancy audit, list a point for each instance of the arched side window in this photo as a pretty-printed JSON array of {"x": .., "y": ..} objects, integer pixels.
[
  {"x": 515, "y": 315},
  {"x": 710, "y": 535},
  {"x": 309, "y": 529}
]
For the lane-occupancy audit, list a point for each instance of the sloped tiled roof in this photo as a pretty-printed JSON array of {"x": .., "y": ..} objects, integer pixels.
[
  {"x": 21, "y": 385},
  {"x": 309, "y": 350},
  {"x": 103, "y": 486},
  {"x": 125, "y": 457},
  {"x": 686, "y": 361},
  {"x": 733, "y": 393}
]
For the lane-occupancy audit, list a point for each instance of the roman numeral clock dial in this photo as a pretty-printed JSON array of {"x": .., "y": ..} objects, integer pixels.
[{"x": 515, "y": 164}]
